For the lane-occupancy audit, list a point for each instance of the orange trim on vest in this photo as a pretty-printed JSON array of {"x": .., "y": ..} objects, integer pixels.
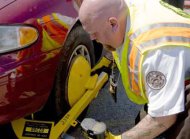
[
  {"x": 132, "y": 57},
  {"x": 164, "y": 31}
]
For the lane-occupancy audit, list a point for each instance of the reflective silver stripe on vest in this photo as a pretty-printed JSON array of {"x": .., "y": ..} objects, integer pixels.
[
  {"x": 52, "y": 17},
  {"x": 154, "y": 26},
  {"x": 129, "y": 50},
  {"x": 136, "y": 69},
  {"x": 128, "y": 62},
  {"x": 136, "y": 66},
  {"x": 135, "y": 74},
  {"x": 40, "y": 21},
  {"x": 160, "y": 40}
]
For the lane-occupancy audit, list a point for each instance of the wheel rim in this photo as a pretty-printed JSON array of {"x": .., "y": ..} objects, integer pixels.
[
  {"x": 80, "y": 50},
  {"x": 71, "y": 94}
]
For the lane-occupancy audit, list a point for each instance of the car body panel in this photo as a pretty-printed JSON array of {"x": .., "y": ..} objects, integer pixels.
[
  {"x": 27, "y": 76},
  {"x": 14, "y": 11}
]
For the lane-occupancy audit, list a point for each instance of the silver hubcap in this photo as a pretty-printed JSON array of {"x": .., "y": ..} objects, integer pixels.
[{"x": 81, "y": 50}]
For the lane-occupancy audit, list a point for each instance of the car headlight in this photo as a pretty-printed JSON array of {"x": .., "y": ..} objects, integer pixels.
[{"x": 15, "y": 37}]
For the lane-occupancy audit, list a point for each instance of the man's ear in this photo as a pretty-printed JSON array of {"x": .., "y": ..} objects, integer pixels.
[{"x": 114, "y": 23}]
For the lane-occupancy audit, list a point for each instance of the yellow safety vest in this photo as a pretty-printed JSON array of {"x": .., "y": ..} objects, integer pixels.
[{"x": 153, "y": 25}]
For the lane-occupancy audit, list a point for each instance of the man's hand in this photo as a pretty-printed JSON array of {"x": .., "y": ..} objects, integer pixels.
[{"x": 150, "y": 127}]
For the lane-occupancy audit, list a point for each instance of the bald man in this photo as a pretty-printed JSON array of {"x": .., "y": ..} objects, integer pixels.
[
  {"x": 149, "y": 40},
  {"x": 94, "y": 20}
]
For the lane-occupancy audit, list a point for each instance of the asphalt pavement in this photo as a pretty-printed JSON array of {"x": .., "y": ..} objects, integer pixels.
[{"x": 118, "y": 117}]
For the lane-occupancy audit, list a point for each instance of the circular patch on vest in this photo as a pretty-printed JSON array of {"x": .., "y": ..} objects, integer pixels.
[{"x": 156, "y": 80}]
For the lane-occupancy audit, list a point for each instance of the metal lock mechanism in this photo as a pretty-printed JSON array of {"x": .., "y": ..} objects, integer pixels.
[{"x": 92, "y": 129}]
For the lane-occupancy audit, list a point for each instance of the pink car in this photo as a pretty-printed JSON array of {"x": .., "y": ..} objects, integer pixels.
[{"x": 34, "y": 77}]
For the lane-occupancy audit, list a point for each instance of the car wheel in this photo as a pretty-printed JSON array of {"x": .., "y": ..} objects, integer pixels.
[{"x": 78, "y": 43}]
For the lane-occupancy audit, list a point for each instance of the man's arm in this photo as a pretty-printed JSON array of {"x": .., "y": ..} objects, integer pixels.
[{"x": 149, "y": 127}]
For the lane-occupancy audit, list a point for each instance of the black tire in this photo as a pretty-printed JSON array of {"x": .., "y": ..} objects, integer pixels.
[{"x": 78, "y": 41}]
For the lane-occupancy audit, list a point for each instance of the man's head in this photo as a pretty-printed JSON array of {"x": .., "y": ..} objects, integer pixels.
[{"x": 104, "y": 20}]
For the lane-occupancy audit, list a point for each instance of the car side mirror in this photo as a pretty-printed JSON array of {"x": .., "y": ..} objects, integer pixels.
[{"x": 16, "y": 37}]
